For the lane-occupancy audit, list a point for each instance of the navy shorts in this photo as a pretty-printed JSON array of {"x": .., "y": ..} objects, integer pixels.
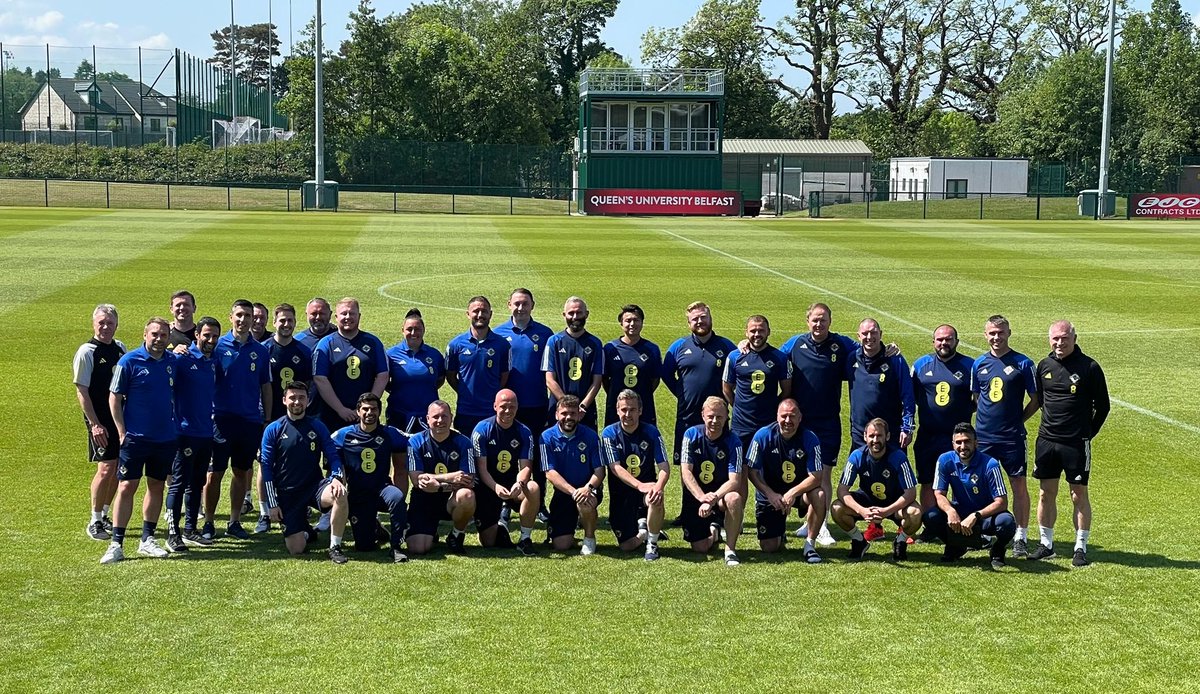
[
  {"x": 193, "y": 454},
  {"x": 1010, "y": 455},
  {"x": 294, "y": 505},
  {"x": 927, "y": 449},
  {"x": 151, "y": 457},
  {"x": 564, "y": 513},
  {"x": 235, "y": 442},
  {"x": 488, "y": 505},
  {"x": 425, "y": 511},
  {"x": 1071, "y": 460},
  {"x": 695, "y": 526},
  {"x": 830, "y": 436},
  {"x": 625, "y": 509},
  {"x": 682, "y": 424},
  {"x": 104, "y": 454},
  {"x": 772, "y": 523},
  {"x": 868, "y": 500}
]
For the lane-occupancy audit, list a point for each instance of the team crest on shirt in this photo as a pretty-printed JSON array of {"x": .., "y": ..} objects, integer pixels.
[
  {"x": 515, "y": 443},
  {"x": 834, "y": 347},
  {"x": 491, "y": 352},
  {"x": 428, "y": 360},
  {"x": 1008, "y": 370},
  {"x": 974, "y": 479},
  {"x": 957, "y": 374},
  {"x": 453, "y": 455},
  {"x": 253, "y": 355},
  {"x": 887, "y": 474},
  {"x": 582, "y": 446},
  {"x": 187, "y": 452},
  {"x": 1074, "y": 378},
  {"x": 295, "y": 358},
  {"x": 720, "y": 353},
  {"x": 366, "y": 348},
  {"x": 644, "y": 445},
  {"x": 770, "y": 365},
  {"x": 535, "y": 338},
  {"x": 587, "y": 350},
  {"x": 312, "y": 435},
  {"x": 123, "y": 470},
  {"x": 378, "y": 440},
  {"x": 883, "y": 367}
]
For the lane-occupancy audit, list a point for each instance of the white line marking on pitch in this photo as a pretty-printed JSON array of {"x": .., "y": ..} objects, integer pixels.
[{"x": 1120, "y": 403}]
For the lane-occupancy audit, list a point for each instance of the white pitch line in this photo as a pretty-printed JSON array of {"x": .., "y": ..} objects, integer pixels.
[{"x": 1120, "y": 403}]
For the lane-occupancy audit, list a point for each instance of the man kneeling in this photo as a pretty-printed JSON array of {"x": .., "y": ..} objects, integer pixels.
[
  {"x": 887, "y": 489},
  {"x": 711, "y": 466},
  {"x": 633, "y": 451},
  {"x": 441, "y": 468},
  {"x": 785, "y": 467}
]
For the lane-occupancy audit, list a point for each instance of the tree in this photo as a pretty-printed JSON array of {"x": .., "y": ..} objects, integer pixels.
[
  {"x": 19, "y": 87},
  {"x": 998, "y": 51},
  {"x": 86, "y": 71},
  {"x": 255, "y": 48},
  {"x": 569, "y": 35},
  {"x": 1071, "y": 26}
]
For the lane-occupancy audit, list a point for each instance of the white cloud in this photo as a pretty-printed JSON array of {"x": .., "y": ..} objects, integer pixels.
[
  {"x": 5, "y": 18},
  {"x": 158, "y": 41},
  {"x": 44, "y": 22},
  {"x": 38, "y": 40}
]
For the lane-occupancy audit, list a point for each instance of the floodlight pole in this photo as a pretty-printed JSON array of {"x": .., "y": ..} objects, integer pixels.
[
  {"x": 232, "y": 70},
  {"x": 319, "y": 98},
  {"x": 1102, "y": 193}
]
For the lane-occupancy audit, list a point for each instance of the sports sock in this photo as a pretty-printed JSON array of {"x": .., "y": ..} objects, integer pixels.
[
  {"x": 105, "y": 511},
  {"x": 1047, "y": 535},
  {"x": 97, "y": 516},
  {"x": 729, "y": 552},
  {"x": 118, "y": 535},
  {"x": 1081, "y": 539},
  {"x": 334, "y": 540},
  {"x": 900, "y": 536},
  {"x": 262, "y": 508},
  {"x": 856, "y": 534},
  {"x": 651, "y": 540},
  {"x": 808, "y": 546},
  {"x": 526, "y": 533},
  {"x": 455, "y": 532},
  {"x": 148, "y": 529},
  {"x": 1021, "y": 534}
]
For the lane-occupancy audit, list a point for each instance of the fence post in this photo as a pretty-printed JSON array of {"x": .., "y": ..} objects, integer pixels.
[
  {"x": 925, "y": 204},
  {"x": 107, "y": 197},
  {"x": 869, "y": 196},
  {"x": 289, "y": 198},
  {"x": 228, "y": 197},
  {"x": 452, "y": 210},
  {"x": 1038, "y": 209},
  {"x": 168, "y": 196},
  {"x": 47, "y": 181},
  {"x": 510, "y": 205},
  {"x": 981, "y": 205},
  {"x": 395, "y": 197}
]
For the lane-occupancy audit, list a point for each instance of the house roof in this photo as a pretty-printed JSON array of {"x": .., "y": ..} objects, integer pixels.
[
  {"x": 856, "y": 148},
  {"x": 117, "y": 97}
]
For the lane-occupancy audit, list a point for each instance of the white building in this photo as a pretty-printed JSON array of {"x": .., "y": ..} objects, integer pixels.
[{"x": 912, "y": 178}]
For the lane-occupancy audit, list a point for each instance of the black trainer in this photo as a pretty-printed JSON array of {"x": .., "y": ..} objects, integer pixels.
[
  {"x": 1080, "y": 558},
  {"x": 175, "y": 543},
  {"x": 503, "y": 539},
  {"x": 900, "y": 549},
  {"x": 96, "y": 531},
  {"x": 953, "y": 553},
  {"x": 454, "y": 543},
  {"x": 107, "y": 523},
  {"x": 1042, "y": 552},
  {"x": 1020, "y": 549},
  {"x": 998, "y": 563},
  {"x": 525, "y": 547},
  {"x": 338, "y": 555},
  {"x": 858, "y": 548},
  {"x": 191, "y": 537}
]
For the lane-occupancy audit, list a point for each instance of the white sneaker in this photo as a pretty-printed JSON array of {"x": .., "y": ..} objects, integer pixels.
[
  {"x": 824, "y": 538},
  {"x": 150, "y": 548},
  {"x": 113, "y": 554},
  {"x": 589, "y": 546},
  {"x": 323, "y": 523},
  {"x": 802, "y": 531},
  {"x": 731, "y": 559}
]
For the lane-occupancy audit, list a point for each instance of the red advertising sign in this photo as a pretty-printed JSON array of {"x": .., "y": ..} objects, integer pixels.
[
  {"x": 1166, "y": 206},
  {"x": 635, "y": 201}
]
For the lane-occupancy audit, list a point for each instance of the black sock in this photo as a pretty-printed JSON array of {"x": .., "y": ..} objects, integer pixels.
[
  {"x": 118, "y": 535},
  {"x": 148, "y": 530}
]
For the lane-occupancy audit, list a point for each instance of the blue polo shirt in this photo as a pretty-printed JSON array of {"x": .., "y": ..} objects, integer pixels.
[
  {"x": 242, "y": 369},
  {"x": 367, "y": 456},
  {"x": 817, "y": 376},
  {"x": 637, "y": 367},
  {"x": 972, "y": 486},
  {"x": 783, "y": 463},
  {"x": 309, "y": 340},
  {"x": 414, "y": 381},
  {"x": 755, "y": 377},
  {"x": 291, "y": 456},
  {"x": 290, "y": 363},
  {"x": 195, "y": 390},
  {"x": 1001, "y": 384},
  {"x": 943, "y": 392},
  {"x": 503, "y": 448},
  {"x": 692, "y": 372},
  {"x": 574, "y": 362},
  {"x": 880, "y": 386},
  {"x": 427, "y": 454},
  {"x": 350, "y": 365},
  {"x": 640, "y": 452},
  {"x": 573, "y": 457},
  {"x": 885, "y": 480},
  {"x": 148, "y": 385},
  {"x": 479, "y": 365},
  {"x": 525, "y": 375},
  {"x": 712, "y": 461}
]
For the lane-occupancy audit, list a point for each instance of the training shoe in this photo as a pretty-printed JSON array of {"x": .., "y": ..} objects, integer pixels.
[
  {"x": 953, "y": 553},
  {"x": 505, "y": 516},
  {"x": 195, "y": 539},
  {"x": 323, "y": 522},
  {"x": 731, "y": 559},
  {"x": 108, "y": 526},
  {"x": 811, "y": 556},
  {"x": 1080, "y": 558},
  {"x": 543, "y": 516},
  {"x": 503, "y": 539},
  {"x": 399, "y": 557},
  {"x": 150, "y": 548},
  {"x": 96, "y": 531},
  {"x": 310, "y": 536},
  {"x": 858, "y": 549},
  {"x": 663, "y": 537},
  {"x": 825, "y": 538},
  {"x": 247, "y": 505},
  {"x": 338, "y": 555},
  {"x": 113, "y": 554},
  {"x": 651, "y": 553},
  {"x": 589, "y": 547},
  {"x": 235, "y": 529},
  {"x": 1042, "y": 552},
  {"x": 175, "y": 544},
  {"x": 899, "y": 549},
  {"x": 802, "y": 531},
  {"x": 263, "y": 525},
  {"x": 209, "y": 533},
  {"x": 998, "y": 563},
  {"x": 1020, "y": 549},
  {"x": 525, "y": 547},
  {"x": 873, "y": 532},
  {"x": 454, "y": 544}
]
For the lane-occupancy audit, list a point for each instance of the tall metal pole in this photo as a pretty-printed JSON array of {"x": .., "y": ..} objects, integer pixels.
[
  {"x": 270, "y": 69},
  {"x": 1102, "y": 196},
  {"x": 232, "y": 70},
  {"x": 319, "y": 98}
]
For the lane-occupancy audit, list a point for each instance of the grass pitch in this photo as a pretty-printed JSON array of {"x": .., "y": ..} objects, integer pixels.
[{"x": 242, "y": 616}]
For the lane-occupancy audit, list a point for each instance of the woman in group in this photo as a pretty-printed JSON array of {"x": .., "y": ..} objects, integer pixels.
[{"x": 417, "y": 372}]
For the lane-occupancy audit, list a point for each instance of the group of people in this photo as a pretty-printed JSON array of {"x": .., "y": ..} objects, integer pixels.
[{"x": 347, "y": 427}]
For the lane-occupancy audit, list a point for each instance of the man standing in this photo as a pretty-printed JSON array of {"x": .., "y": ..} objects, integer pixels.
[
  {"x": 1074, "y": 395},
  {"x": 942, "y": 388},
  {"x": 373, "y": 457},
  {"x": 93, "y": 366},
  {"x": 1001, "y": 379},
  {"x": 243, "y": 402},
  {"x": 143, "y": 410},
  {"x": 784, "y": 464},
  {"x": 880, "y": 388},
  {"x": 441, "y": 470},
  {"x": 631, "y": 362},
  {"x": 887, "y": 490},
  {"x": 291, "y": 468},
  {"x": 317, "y": 313},
  {"x": 183, "y": 327},
  {"x": 504, "y": 460},
  {"x": 755, "y": 380},
  {"x": 195, "y": 393},
  {"x": 574, "y": 362},
  {"x": 711, "y": 467},
  {"x": 635, "y": 455},
  {"x": 692, "y": 370},
  {"x": 978, "y": 501},
  {"x": 346, "y": 364},
  {"x": 571, "y": 460},
  {"x": 258, "y": 327},
  {"x": 290, "y": 361},
  {"x": 477, "y": 364}
]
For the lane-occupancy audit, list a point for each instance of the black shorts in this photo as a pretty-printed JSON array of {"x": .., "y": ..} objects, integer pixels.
[
  {"x": 926, "y": 450},
  {"x": 465, "y": 423},
  {"x": 488, "y": 505},
  {"x": 682, "y": 424},
  {"x": 294, "y": 505},
  {"x": 564, "y": 513},
  {"x": 426, "y": 510},
  {"x": 867, "y": 500},
  {"x": 1011, "y": 456},
  {"x": 152, "y": 458},
  {"x": 772, "y": 524},
  {"x": 625, "y": 509},
  {"x": 104, "y": 454},
  {"x": 1071, "y": 460},
  {"x": 696, "y": 527},
  {"x": 235, "y": 442}
]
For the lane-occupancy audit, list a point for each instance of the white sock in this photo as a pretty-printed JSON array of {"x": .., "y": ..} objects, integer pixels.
[
  {"x": 335, "y": 540},
  {"x": 856, "y": 534},
  {"x": 455, "y": 532},
  {"x": 526, "y": 533},
  {"x": 642, "y": 534},
  {"x": 1021, "y": 534},
  {"x": 97, "y": 516},
  {"x": 105, "y": 511},
  {"x": 1081, "y": 539},
  {"x": 262, "y": 508},
  {"x": 900, "y": 534},
  {"x": 808, "y": 546},
  {"x": 1047, "y": 535},
  {"x": 729, "y": 553},
  {"x": 651, "y": 540}
]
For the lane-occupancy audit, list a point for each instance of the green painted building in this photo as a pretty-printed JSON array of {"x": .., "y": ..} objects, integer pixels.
[{"x": 643, "y": 128}]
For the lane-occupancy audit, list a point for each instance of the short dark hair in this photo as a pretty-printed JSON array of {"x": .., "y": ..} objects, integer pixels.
[
  {"x": 206, "y": 322},
  {"x": 879, "y": 422},
  {"x": 759, "y": 318},
  {"x": 296, "y": 385},
  {"x": 997, "y": 320},
  {"x": 368, "y": 397},
  {"x": 414, "y": 313},
  {"x": 242, "y": 303},
  {"x": 522, "y": 290},
  {"x": 285, "y": 308},
  {"x": 259, "y": 304},
  {"x": 481, "y": 298},
  {"x": 963, "y": 428},
  {"x": 182, "y": 293},
  {"x": 567, "y": 401},
  {"x": 631, "y": 308}
]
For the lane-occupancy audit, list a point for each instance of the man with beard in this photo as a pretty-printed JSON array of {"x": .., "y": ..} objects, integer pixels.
[
  {"x": 183, "y": 325},
  {"x": 631, "y": 362},
  {"x": 754, "y": 381},
  {"x": 574, "y": 362},
  {"x": 373, "y": 457},
  {"x": 571, "y": 460},
  {"x": 317, "y": 313},
  {"x": 93, "y": 366},
  {"x": 887, "y": 490},
  {"x": 942, "y": 388},
  {"x": 477, "y": 364},
  {"x": 504, "y": 461},
  {"x": 784, "y": 464},
  {"x": 195, "y": 394},
  {"x": 711, "y": 467},
  {"x": 441, "y": 470},
  {"x": 634, "y": 453}
]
